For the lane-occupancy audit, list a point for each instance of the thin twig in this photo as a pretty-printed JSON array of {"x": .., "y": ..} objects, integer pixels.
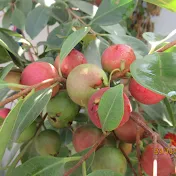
[
  {"x": 138, "y": 149},
  {"x": 138, "y": 120},
  {"x": 27, "y": 90},
  {"x": 127, "y": 158},
  {"x": 169, "y": 45},
  {"x": 86, "y": 156}
]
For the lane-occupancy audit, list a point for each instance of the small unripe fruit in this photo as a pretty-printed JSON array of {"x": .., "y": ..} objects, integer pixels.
[
  {"x": 83, "y": 81},
  {"x": 85, "y": 136},
  {"x": 4, "y": 112},
  {"x": 109, "y": 158},
  {"x": 126, "y": 147},
  {"x": 37, "y": 72},
  {"x": 13, "y": 77},
  {"x": 128, "y": 132},
  {"x": 144, "y": 95},
  {"x": 164, "y": 162},
  {"x": 28, "y": 133},
  {"x": 73, "y": 59},
  {"x": 48, "y": 142},
  {"x": 118, "y": 57},
  {"x": 94, "y": 103},
  {"x": 61, "y": 110}
]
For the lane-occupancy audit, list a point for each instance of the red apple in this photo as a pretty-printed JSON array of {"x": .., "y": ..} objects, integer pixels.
[
  {"x": 94, "y": 103},
  {"x": 37, "y": 72},
  {"x": 118, "y": 57},
  {"x": 144, "y": 95},
  {"x": 164, "y": 161},
  {"x": 73, "y": 59}
]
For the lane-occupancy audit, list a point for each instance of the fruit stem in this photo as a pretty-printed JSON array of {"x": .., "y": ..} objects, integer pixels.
[
  {"x": 27, "y": 90},
  {"x": 126, "y": 156},
  {"x": 170, "y": 112},
  {"x": 86, "y": 156},
  {"x": 110, "y": 76},
  {"x": 84, "y": 172}
]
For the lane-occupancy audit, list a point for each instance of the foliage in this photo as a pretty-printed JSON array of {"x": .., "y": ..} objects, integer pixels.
[{"x": 90, "y": 29}]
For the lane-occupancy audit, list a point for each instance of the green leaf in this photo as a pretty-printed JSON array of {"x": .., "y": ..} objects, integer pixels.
[
  {"x": 11, "y": 45},
  {"x": 140, "y": 49},
  {"x": 72, "y": 40},
  {"x": 167, "y": 4},
  {"x": 115, "y": 29},
  {"x": 156, "y": 72},
  {"x": 113, "y": 14},
  {"x": 3, "y": 4},
  {"x": 7, "y": 128},
  {"x": 6, "y": 21},
  {"x": 3, "y": 93},
  {"x": 36, "y": 20},
  {"x": 18, "y": 18},
  {"x": 43, "y": 166},
  {"x": 85, "y": 7},
  {"x": 94, "y": 51},
  {"x": 155, "y": 40},
  {"x": 11, "y": 33},
  {"x": 60, "y": 14},
  {"x": 4, "y": 57},
  {"x": 111, "y": 108},
  {"x": 6, "y": 70},
  {"x": 103, "y": 173},
  {"x": 30, "y": 110},
  {"x": 53, "y": 40},
  {"x": 25, "y": 6}
]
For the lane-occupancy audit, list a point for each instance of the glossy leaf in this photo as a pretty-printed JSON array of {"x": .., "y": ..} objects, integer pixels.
[
  {"x": 103, "y": 173},
  {"x": 115, "y": 29},
  {"x": 72, "y": 40},
  {"x": 168, "y": 4},
  {"x": 63, "y": 30},
  {"x": 94, "y": 51},
  {"x": 42, "y": 166},
  {"x": 30, "y": 110},
  {"x": 4, "y": 56},
  {"x": 37, "y": 19},
  {"x": 156, "y": 72},
  {"x": 18, "y": 18},
  {"x": 6, "y": 70},
  {"x": 25, "y": 6},
  {"x": 140, "y": 49},
  {"x": 113, "y": 14},
  {"x": 7, "y": 128},
  {"x": 85, "y": 7},
  {"x": 155, "y": 39},
  {"x": 6, "y": 21},
  {"x": 11, "y": 45},
  {"x": 111, "y": 108},
  {"x": 11, "y": 33},
  {"x": 3, "y": 93}
]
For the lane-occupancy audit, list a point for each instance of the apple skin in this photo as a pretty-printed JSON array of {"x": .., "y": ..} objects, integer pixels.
[
  {"x": 48, "y": 142},
  {"x": 98, "y": 2},
  {"x": 114, "y": 55},
  {"x": 83, "y": 81},
  {"x": 128, "y": 131},
  {"x": 73, "y": 59},
  {"x": 28, "y": 133},
  {"x": 126, "y": 147},
  {"x": 3, "y": 114},
  {"x": 144, "y": 95},
  {"x": 61, "y": 110},
  {"x": 13, "y": 77},
  {"x": 37, "y": 72},
  {"x": 109, "y": 158},
  {"x": 94, "y": 103},
  {"x": 85, "y": 136},
  {"x": 164, "y": 161}
]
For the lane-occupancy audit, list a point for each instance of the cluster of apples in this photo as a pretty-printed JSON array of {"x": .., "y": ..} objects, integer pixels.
[{"x": 85, "y": 85}]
